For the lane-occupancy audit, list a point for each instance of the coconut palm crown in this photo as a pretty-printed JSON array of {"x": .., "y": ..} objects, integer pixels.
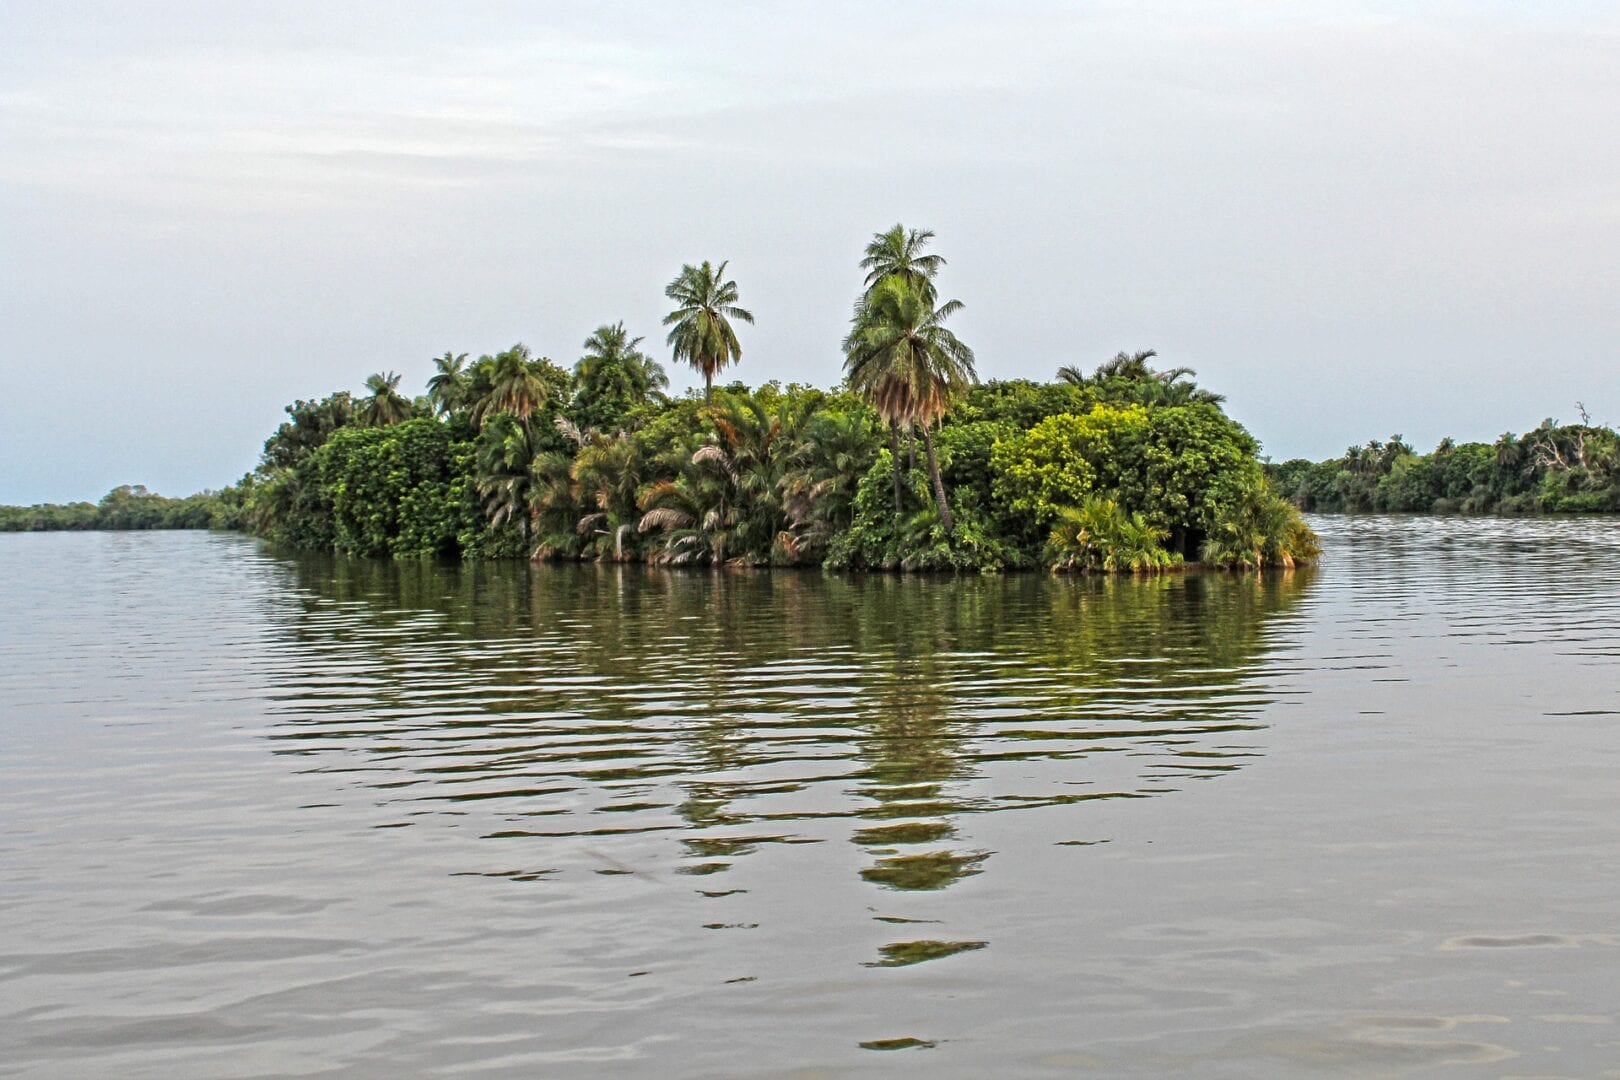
[
  {"x": 447, "y": 388},
  {"x": 701, "y": 333},
  {"x": 386, "y": 405},
  {"x": 516, "y": 386},
  {"x": 901, "y": 358},
  {"x": 899, "y": 253}
]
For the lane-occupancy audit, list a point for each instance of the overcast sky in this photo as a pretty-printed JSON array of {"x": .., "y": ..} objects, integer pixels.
[{"x": 1353, "y": 219}]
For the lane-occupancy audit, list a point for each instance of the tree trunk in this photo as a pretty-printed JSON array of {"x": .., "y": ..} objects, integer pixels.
[
  {"x": 894, "y": 453},
  {"x": 912, "y": 449},
  {"x": 939, "y": 485}
]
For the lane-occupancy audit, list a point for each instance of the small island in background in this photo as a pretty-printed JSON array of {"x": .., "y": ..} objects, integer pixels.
[{"x": 912, "y": 464}]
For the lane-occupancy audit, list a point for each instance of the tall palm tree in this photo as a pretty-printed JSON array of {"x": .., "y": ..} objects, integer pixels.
[
  {"x": 903, "y": 360},
  {"x": 386, "y": 405},
  {"x": 447, "y": 388},
  {"x": 515, "y": 386},
  {"x": 701, "y": 333},
  {"x": 899, "y": 253}
]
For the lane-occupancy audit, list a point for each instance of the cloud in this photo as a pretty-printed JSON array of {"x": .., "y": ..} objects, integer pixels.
[{"x": 1349, "y": 217}]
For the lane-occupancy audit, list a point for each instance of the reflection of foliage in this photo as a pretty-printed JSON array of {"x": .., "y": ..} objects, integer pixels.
[
  {"x": 903, "y": 953},
  {"x": 910, "y": 832},
  {"x": 932, "y": 870},
  {"x": 899, "y": 695},
  {"x": 907, "y": 1043}
]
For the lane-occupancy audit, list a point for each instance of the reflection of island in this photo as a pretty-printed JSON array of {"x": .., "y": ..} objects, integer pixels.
[{"x": 737, "y": 711}]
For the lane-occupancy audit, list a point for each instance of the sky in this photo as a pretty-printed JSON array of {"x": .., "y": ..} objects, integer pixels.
[{"x": 1353, "y": 219}]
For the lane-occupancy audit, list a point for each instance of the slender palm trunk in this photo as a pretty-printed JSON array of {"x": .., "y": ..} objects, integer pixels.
[
  {"x": 911, "y": 435},
  {"x": 939, "y": 485},
  {"x": 894, "y": 455}
]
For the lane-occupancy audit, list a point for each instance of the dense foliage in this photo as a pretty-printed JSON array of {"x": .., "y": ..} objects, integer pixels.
[
  {"x": 912, "y": 464},
  {"x": 1556, "y": 468},
  {"x": 130, "y": 507}
]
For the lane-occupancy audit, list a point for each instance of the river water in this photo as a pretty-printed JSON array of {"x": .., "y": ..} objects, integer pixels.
[{"x": 264, "y": 815}]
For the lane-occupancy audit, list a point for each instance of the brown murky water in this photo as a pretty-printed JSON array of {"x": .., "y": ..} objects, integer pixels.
[{"x": 264, "y": 816}]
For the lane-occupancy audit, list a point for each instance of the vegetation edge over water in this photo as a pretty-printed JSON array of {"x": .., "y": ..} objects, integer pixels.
[
  {"x": 1555, "y": 469},
  {"x": 912, "y": 463}
]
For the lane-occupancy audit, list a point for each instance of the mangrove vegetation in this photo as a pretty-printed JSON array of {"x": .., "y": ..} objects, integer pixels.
[
  {"x": 1554, "y": 468},
  {"x": 911, "y": 463}
]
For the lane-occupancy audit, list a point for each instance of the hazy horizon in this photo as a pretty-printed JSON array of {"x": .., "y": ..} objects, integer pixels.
[{"x": 1351, "y": 219}]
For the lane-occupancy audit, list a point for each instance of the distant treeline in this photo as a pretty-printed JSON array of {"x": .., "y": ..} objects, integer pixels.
[
  {"x": 1554, "y": 469},
  {"x": 130, "y": 507}
]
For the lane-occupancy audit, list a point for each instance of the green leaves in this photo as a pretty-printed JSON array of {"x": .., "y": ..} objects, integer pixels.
[
  {"x": 1178, "y": 472},
  {"x": 702, "y": 334},
  {"x": 1065, "y": 458},
  {"x": 1099, "y": 535},
  {"x": 388, "y": 491}
]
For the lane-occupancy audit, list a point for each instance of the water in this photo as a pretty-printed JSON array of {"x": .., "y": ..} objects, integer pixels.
[{"x": 266, "y": 816}]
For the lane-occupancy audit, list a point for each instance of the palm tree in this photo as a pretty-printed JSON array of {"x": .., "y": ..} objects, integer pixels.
[
  {"x": 386, "y": 405},
  {"x": 702, "y": 335},
  {"x": 516, "y": 386},
  {"x": 612, "y": 376},
  {"x": 1127, "y": 366},
  {"x": 733, "y": 497},
  {"x": 612, "y": 346},
  {"x": 1145, "y": 384},
  {"x": 447, "y": 388},
  {"x": 903, "y": 360},
  {"x": 1508, "y": 450},
  {"x": 505, "y": 476},
  {"x": 899, "y": 253},
  {"x": 608, "y": 475},
  {"x": 818, "y": 496}
]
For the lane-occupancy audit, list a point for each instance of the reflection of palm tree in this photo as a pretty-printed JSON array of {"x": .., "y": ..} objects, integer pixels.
[
  {"x": 892, "y": 746},
  {"x": 915, "y": 752}
]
